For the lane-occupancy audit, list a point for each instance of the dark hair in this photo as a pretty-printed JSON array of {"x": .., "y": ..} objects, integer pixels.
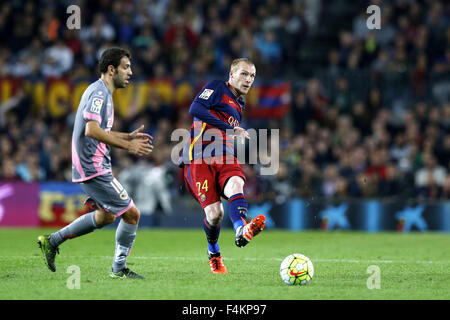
[{"x": 112, "y": 56}]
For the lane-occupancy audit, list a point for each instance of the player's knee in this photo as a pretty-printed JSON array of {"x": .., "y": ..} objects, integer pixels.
[
  {"x": 110, "y": 218},
  {"x": 234, "y": 186},
  {"x": 132, "y": 216},
  {"x": 215, "y": 219},
  {"x": 214, "y": 214},
  {"x": 103, "y": 218}
]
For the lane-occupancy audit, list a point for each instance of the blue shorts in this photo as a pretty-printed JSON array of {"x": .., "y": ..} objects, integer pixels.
[{"x": 106, "y": 193}]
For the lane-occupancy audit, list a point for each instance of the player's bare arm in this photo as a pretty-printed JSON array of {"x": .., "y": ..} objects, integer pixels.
[
  {"x": 140, "y": 145},
  {"x": 136, "y": 134}
]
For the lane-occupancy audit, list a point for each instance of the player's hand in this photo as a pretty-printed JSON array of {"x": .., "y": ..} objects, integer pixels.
[
  {"x": 137, "y": 134},
  {"x": 140, "y": 147},
  {"x": 241, "y": 134}
]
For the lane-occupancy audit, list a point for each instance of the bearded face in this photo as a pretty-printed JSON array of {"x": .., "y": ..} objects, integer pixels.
[{"x": 122, "y": 73}]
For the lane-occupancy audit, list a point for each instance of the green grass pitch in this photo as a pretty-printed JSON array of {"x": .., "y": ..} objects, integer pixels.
[{"x": 174, "y": 262}]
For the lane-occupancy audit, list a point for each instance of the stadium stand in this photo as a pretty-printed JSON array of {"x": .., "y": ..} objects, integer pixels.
[{"x": 369, "y": 111}]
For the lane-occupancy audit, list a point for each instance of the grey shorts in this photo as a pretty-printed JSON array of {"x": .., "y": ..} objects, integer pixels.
[{"x": 106, "y": 193}]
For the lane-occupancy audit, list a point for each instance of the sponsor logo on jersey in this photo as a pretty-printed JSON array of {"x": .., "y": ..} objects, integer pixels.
[
  {"x": 233, "y": 122},
  {"x": 109, "y": 124}
]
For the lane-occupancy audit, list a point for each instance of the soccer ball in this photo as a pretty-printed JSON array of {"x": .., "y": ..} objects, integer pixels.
[{"x": 296, "y": 269}]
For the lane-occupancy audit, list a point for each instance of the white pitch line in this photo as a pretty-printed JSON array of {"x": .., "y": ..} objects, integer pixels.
[
  {"x": 316, "y": 260},
  {"x": 250, "y": 259}
]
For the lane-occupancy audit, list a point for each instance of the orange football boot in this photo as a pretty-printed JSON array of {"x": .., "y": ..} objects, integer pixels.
[
  {"x": 217, "y": 265},
  {"x": 246, "y": 233}
]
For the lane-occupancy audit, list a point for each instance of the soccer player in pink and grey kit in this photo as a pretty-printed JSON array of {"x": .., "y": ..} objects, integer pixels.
[{"x": 91, "y": 165}]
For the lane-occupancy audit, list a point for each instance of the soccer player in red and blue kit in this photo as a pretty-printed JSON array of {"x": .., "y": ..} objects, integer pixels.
[{"x": 211, "y": 173}]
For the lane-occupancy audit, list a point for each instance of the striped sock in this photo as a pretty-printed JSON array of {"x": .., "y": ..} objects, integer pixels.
[
  {"x": 212, "y": 236},
  {"x": 238, "y": 210}
]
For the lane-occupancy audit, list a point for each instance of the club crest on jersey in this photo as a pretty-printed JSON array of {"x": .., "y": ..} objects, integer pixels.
[
  {"x": 206, "y": 94},
  {"x": 123, "y": 195},
  {"x": 96, "y": 105}
]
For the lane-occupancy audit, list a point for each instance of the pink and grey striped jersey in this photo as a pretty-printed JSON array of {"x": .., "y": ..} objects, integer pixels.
[{"x": 90, "y": 157}]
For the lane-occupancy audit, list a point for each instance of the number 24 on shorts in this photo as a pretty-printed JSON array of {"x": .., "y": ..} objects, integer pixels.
[{"x": 201, "y": 186}]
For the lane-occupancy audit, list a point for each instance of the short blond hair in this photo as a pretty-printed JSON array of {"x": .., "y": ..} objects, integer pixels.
[{"x": 236, "y": 62}]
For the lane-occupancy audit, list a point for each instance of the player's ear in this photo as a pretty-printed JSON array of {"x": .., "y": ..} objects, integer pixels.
[{"x": 111, "y": 70}]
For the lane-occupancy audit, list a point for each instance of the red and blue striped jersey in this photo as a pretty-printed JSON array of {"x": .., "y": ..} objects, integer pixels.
[{"x": 215, "y": 109}]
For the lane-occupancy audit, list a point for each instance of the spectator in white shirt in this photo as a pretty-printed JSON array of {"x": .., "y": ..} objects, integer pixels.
[{"x": 58, "y": 59}]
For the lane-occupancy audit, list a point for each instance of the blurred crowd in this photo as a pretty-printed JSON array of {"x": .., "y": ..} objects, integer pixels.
[{"x": 371, "y": 120}]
